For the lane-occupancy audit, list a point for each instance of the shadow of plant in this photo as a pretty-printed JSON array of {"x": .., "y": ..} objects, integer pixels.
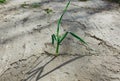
[{"x": 37, "y": 73}]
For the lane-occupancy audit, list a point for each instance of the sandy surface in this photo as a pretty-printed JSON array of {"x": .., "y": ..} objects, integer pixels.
[{"x": 25, "y": 35}]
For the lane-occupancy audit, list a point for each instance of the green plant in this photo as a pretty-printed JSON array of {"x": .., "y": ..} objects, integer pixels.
[
  {"x": 2, "y": 1},
  {"x": 58, "y": 38}
]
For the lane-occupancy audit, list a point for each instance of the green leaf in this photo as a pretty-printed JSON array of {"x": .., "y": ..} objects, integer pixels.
[
  {"x": 77, "y": 37},
  {"x": 2, "y": 1},
  {"x": 53, "y": 38},
  {"x": 60, "y": 19},
  {"x": 63, "y": 37}
]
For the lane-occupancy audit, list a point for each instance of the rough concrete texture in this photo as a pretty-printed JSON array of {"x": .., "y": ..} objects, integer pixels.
[{"x": 25, "y": 35}]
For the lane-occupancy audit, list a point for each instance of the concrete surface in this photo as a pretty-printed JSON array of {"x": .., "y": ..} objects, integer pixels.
[{"x": 25, "y": 35}]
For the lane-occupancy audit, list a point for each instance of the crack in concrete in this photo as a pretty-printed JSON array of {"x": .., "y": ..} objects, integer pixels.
[{"x": 103, "y": 42}]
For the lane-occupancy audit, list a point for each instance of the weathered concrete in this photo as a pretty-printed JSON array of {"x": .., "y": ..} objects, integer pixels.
[{"x": 25, "y": 35}]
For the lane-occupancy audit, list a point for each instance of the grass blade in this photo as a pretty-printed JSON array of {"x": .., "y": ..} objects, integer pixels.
[
  {"x": 63, "y": 37},
  {"x": 53, "y": 38},
  {"x": 60, "y": 19},
  {"x": 77, "y": 37}
]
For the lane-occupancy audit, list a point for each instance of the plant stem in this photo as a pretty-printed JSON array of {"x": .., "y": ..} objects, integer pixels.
[
  {"x": 58, "y": 27},
  {"x": 57, "y": 48}
]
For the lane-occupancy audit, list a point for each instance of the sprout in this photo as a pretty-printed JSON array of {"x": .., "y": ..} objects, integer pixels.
[{"x": 58, "y": 38}]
